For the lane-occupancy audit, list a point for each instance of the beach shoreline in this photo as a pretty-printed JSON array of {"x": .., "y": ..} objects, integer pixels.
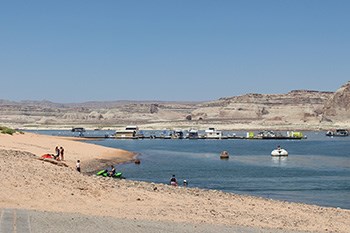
[
  {"x": 68, "y": 191},
  {"x": 92, "y": 157}
]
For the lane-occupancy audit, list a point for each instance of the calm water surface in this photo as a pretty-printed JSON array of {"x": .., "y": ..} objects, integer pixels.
[{"x": 317, "y": 170}]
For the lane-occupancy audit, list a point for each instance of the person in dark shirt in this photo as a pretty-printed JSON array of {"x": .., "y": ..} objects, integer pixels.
[
  {"x": 57, "y": 153},
  {"x": 78, "y": 165},
  {"x": 173, "y": 181},
  {"x": 112, "y": 171},
  {"x": 62, "y": 153}
]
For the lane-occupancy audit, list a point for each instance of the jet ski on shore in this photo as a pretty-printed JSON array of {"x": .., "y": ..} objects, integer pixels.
[{"x": 105, "y": 173}]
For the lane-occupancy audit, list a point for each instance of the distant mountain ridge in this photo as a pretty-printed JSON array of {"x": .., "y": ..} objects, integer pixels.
[
  {"x": 97, "y": 104},
  {"x": 302, "y": 109}
]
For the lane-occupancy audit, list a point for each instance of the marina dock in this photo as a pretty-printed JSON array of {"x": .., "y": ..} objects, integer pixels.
[
  {"x": 133, "y": 133},
  {"x": 154, "y": 137}
]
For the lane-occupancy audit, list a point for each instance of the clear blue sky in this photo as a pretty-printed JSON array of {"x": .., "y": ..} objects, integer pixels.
[{"x": 76, "y": 51}]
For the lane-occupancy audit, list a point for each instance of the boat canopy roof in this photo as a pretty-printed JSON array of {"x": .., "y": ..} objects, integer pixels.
[
  {"x": 131, "y": 127},
  {"x": 211, "y": 130},
  {"x": 341, "y": 130}
]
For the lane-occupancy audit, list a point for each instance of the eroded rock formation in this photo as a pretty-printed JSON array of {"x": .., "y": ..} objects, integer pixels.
[
  {"x": 302, "y": 109},
  {"x": 337, "y": 108}
]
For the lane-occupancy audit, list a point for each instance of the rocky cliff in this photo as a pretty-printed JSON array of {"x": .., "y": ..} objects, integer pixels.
[
  {"x": 300, "y": 109},
  {"x": 337, "y": 108},
  {"x": 296, "y": 107}
]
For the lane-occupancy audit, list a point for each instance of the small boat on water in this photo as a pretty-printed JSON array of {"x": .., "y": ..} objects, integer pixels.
[
  {"x": 338, "y": 133},
  {"x": 279, "y": 152},
  {"x": 224, "y": 155}
]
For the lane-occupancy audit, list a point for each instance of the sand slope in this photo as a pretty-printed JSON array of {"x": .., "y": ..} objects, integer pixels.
[{"x": 91, "y": 156}]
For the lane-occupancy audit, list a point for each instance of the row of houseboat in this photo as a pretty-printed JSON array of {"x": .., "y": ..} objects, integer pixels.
[{"x": 133, "y": 132}]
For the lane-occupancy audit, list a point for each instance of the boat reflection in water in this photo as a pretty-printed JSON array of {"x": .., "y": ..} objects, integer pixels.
[{"x": 280, "y": 161}]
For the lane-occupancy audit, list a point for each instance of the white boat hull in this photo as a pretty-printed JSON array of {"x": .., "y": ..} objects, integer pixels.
[{"x": 279, "y": 152}]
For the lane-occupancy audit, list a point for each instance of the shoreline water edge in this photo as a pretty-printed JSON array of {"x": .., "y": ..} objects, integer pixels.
[{"x": 30, "y": 181}]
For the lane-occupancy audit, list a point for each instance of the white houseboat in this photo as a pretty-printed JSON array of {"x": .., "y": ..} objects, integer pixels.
[
  {"x": 212, "y": 133},
  {"x": 129, "y": 132}
]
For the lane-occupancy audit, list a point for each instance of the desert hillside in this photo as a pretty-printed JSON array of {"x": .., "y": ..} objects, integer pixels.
[
  {"x": 299, "y": 109},
  {"x": 337, "y": 108}
]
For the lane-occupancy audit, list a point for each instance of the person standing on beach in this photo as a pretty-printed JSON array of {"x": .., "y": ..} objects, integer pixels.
[
  {"x": 173, "y": 181},
  {"x": 62, "y": 153},
  {"x": 78, "y": 165},
  {"x": 185, "y": 183},
  {"x": 57, "y": 153}
]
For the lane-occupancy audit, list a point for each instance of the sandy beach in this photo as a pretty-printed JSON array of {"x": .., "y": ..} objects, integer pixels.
[
  {"x": 33, "y": 184},
  {"x": 91, "y": 156}
]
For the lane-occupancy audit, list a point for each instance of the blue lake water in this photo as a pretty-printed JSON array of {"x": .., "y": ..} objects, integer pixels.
[{"x": 317, "y": 170}]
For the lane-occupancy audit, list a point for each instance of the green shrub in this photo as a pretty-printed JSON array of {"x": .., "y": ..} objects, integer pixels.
[{"x": 7, "y": 130}]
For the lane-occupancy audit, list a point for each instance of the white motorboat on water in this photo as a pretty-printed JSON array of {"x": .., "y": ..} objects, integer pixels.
[{"x": 279, "y": 152}]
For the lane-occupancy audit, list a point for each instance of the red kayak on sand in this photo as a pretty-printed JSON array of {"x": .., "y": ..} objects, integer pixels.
[{"x": 48, "y": 156}]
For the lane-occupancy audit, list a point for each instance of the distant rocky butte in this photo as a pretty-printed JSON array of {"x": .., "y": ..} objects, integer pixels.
[
  {"x": 337, "y": 108},
  {"x": 300, "y": 109}
]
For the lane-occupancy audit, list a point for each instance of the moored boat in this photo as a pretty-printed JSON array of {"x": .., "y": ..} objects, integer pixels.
[
  {"x": 338, "y": 133},
  {"x": 193, "y": 134},
  {"x": 268, "y": 134},
  {"x": 177, "y": 134},
  {"x": 296, "y": 135},
  {"x": 276, "y": 135},
  {"x": 212, "y": 133},
  {"x": 128, "y": 133},
  {"x": 78, "y": 129}
]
